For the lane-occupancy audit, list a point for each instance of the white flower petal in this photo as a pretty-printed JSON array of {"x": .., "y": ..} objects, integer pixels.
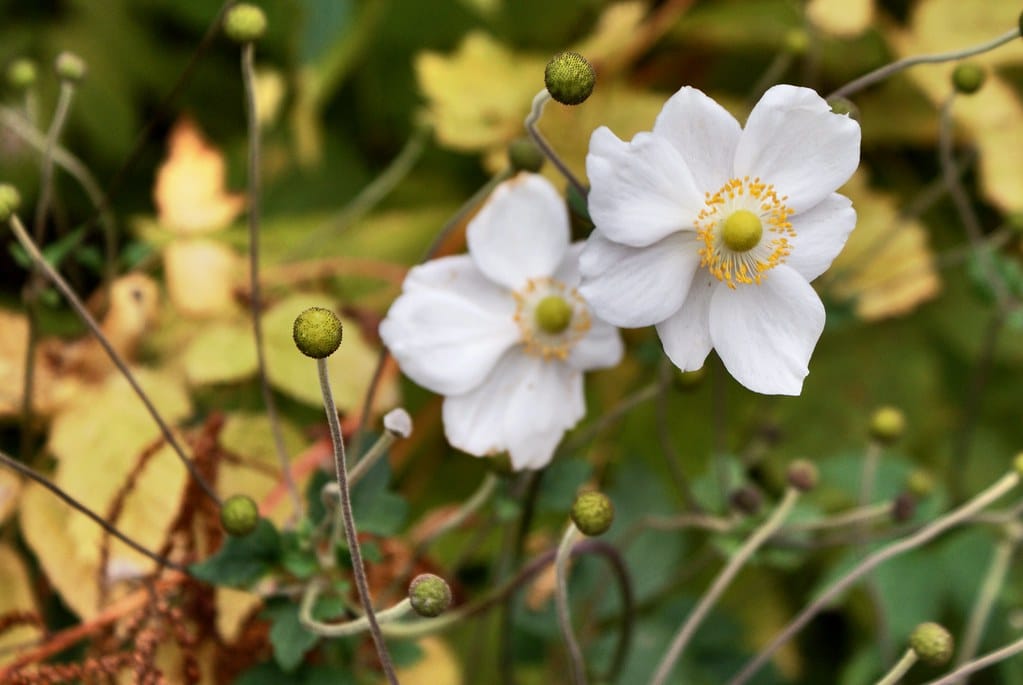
[
  {"x": 703, "y": 132},
  {"x": 765, "y": 334},
  {"x": 600, "y": 348},
  {"x": 450, "y": 326},
  {"x": 524, "y": 406},
  {"x": 794, "y": 141},
  {"x": 567, "y": 272},
  {"x": 685, "y": 335},
  {"x": 820, "y": 235},
  {"x": 637, "y": 286},
  {"x": 641, "y": 191},
  {"x": 521, "y": 232}
]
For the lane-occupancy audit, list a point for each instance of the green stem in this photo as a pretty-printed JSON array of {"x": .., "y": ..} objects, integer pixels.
[
  {"x": 900, "y": 669},
  {"x": 990, "y": 659},
  {"x": 347, "y": 519},
  {"x": 993, "y": 582},
  {"x": 348, "y": 628},
  {"x": 255, "y": 295},
  {"x": 921, "y": 537},
  {"x": 534, "y": 116},
  {"x": 889, "y": 69},
  {"x": 575, "y": 654},
  {"x": 717, "y": 588}
]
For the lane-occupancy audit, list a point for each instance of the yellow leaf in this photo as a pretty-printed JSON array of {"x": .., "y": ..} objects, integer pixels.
[
  {"x": 887, "y": 268},
  {"x": 350, "y": 368},
  {"x": 10, "y": 488},
  {"x": 200, "y": 276},
  {"x": 221, "y": 353},
  {"x": 16, "y": 596},
  {"x": 233, "y": 607},
  {"x": 438, "y": 665},
  {"x": 189, "y": 192},
  {"x": 841, "y": 17}
]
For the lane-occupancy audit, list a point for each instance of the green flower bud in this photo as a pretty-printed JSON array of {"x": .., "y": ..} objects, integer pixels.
[
  {"x": 245, "y": 23},
  {"x": 70, "y": 67},
  {"x": 569, "y": 78},
  {"x": 592, "y": 513},
  {"x": 842, "y": 105},
  {"x": 920, "y": 483},
  {"x": 22, "y": 73},
  {"x": 746, "y": 499},
  {"x": 524, "y": 155},
  {"x": 887, "y": 425},
  {"x": 239, "y": 515},
  {"x": 430, "y": 595},
  {"x": 802, "y": 475},
  {"x": 932, "y": 643},
  {"x": 968, "y": 77},
  {"x": 317, "y": 332},
  {"x": 10, "y": 198}
]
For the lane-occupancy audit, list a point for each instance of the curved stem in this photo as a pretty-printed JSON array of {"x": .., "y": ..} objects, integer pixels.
[
  {"x": 900, "y": 669},
  {"x": 348, "y": 522},
  {"x": 884, "y": 72},
  {"x": 989, "y": 659},
  {"x": 255, "y": 296},
  {"x": 858, "y": 516},
  {"x": 717, "y": 588},
  {"x": 575, "y": 654},
  {"x": 348, "y": 628},
  {"x": 372, "y": 456},
  {"x": 994, "y": 579},
  {"x": 96, "y": 518},
  {"x": 115, "y": 357},
  {"x": 539, "y": 101},
  {"x": 468, "y": 508},
  {"x": 922, "y": 536}
]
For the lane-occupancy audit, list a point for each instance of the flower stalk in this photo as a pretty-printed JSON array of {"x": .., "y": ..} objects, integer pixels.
[
  {"x": 575, "y": 655},
  {"x": 901, "y": 668}
]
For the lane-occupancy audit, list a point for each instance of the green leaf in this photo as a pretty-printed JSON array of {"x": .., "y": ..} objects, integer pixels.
[
  {"x": 289, "y": 639},
  {"x": 242, "y": 561},
  {"x": 377, "y": 509},
  {"x": 297, "y": 558}
]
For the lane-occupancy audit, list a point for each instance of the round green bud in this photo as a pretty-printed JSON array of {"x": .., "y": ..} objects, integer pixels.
[
  {"x": 920, "y": 482},
  {"x": 553, "y": 314},
  {"x": 887, "y": 425},
  {"x": 245, "y": 23},
  {"x": 968, "y": 77},
  {"x": 569, "y": 78},
  {"x": 239, "y": 515},
  {"x": 932, "y": 643},
  {"x": 842, "y": 105},
  {"x": 22, "y": 73},
  {"x": 430, "y": 595},
  {"x": 688, "y": 380},
  {"x": 592, "y": 513},
  {"x": 796, "y": 41},
  {"x": 10, "y": 198},
  {"x": 70, "y": 67},
  {"x": 317, "y": 332},
  {"x": 802, "y": 475},
  {"x": 524, "y": 155},
  {"x": 746, "y": 499}
]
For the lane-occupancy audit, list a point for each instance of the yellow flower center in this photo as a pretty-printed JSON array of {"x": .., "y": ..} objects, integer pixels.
[
  {"x": 745, "y": 231},
  {"x": 551, "y": 317}
]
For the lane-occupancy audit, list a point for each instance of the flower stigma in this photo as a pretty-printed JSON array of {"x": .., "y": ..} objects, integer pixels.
[
  {"x": 551, "y": 317},
  {"x": 745, "y": 231}
]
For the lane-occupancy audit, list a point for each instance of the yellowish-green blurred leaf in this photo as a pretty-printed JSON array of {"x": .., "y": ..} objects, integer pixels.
[
  {"x": 438, "y": 664},
  {"x": 233, "y": 607},
  {"x": 200, "y": 275},
  {"x": 222, "y": 352},
  {"x": 887, "y": 267},
  {"x": 16, "y": 596},
  {"x": 841, "y": 17}
]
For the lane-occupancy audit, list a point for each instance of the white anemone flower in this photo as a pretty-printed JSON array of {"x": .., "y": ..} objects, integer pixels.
[
  {"x": 502, "y": 332},
  {"x": 713, "y": 232}
]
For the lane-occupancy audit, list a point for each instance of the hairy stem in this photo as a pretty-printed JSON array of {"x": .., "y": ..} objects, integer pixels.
[
  {"x": 900, "y": 668},
  {"x": 539, "y": 101},
  {"x": 575, "y": 654},
  {"x": 993, "y": 582}
]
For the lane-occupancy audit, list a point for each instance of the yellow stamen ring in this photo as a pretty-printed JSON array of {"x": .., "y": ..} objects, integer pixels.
[{"x": 745, "y": 231}]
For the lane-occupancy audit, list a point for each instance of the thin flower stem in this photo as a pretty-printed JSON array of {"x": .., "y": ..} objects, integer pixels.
[
  {"x": 348, "y": 628},
  {"x": 889, "y": 69},
  {"x": 900, "y": 669},
  {"x": 993, "y": 582},
  {"x": 575, "y": 654},
  {"x": 255, "y": 295},
  {"x": 67, "y": 93},
  {"x": 623, "y": 407},
  {"x": 717, "y": 588},
  {"x": 348, "y": 521},
  {"x": 372, "y": 456},
  {"x": 990, "y": 659},
  {"x": 469, "y": 507},
  {"x": 921, "y": 537},
  {"x": 774, "y": 71},
  {"x": 534, "y": 116},
  {"x": 28, "y": 472},
  {"x": 858, "y": 516},
  {"x": 26, "y": 242},
  {"x": 868, "y": 475}
]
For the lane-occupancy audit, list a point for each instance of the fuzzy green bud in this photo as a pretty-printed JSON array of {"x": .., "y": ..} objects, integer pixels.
[
  {"x": 592, "y": 513},
  {"x": 802, "y": 475},
  {"x": 968, "y": 77},
  {"x": 524, "y": 155},
  {"x": 746, "y": 499},
  {"x": 10, "y": 198},
  {"x": 842, "y": 105},
  {"x": 932, "y": 643},
  {"x": 569, "y": 78},
  {"x": 22, "y": 73},
  {"x": 920, "y": 483},
  {"x": 317, "y": 332},
  {"x": 245, "y": 23},
  {"x": 430, "y": 595},
  {"x": 887, "y": 425},
  {"x": 239, "y": 515},
  {"x": 70, "y": 67}
]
